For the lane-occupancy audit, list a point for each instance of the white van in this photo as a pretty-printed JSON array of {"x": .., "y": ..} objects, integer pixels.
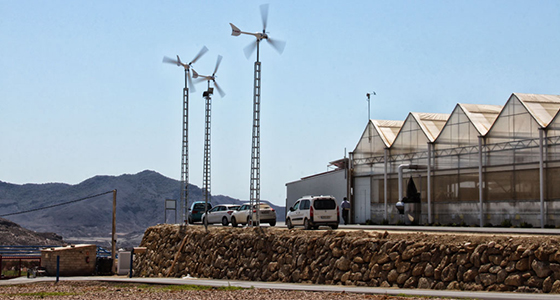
[{"x": 314, "y": 211}]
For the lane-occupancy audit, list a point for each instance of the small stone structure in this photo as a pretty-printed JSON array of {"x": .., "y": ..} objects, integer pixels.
[
  {"x": 377, "y": 259},
  {"x": 75, "y": 260}
]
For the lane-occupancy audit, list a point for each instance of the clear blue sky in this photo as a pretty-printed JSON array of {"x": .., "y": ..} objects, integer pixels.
[{"x": 84, "y": 92}]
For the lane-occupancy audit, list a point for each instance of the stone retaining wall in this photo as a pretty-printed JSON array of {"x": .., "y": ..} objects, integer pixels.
[{"x": 425, "y": 261}]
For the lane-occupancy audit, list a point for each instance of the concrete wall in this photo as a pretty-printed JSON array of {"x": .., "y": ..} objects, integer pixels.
[
  {"x": 75, "y": 260},
  {"x": 425, "y": 261},
  {"x": 331, "y": 183}
]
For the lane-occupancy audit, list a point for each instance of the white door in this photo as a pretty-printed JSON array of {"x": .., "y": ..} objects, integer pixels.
[{"x": 362, "y": 199}]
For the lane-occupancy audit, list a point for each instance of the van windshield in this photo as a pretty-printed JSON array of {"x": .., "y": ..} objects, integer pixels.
[{"x": 325, "y": 203}]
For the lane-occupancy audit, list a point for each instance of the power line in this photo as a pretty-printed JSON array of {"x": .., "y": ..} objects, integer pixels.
[{"x": 55, "y": 205}]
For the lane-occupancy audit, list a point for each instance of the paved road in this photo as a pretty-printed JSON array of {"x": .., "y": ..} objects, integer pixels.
[
  {"x": 294, "y": 286},
  {"x": 435, "y": 229}
]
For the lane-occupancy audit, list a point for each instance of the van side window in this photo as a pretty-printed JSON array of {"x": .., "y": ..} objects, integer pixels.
[
  {"x": 305, "y": 204},
  {"x": 296, "y": 205}
]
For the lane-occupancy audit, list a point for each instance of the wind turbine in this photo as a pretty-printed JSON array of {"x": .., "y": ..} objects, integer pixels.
[
  {"x": 208, "y": 96},
  {"x": 255, "y": 187},
  {"x": 185, "y": 147}
]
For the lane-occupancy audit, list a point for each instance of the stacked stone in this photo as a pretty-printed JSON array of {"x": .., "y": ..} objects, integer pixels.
[{"x": 351, "y": 258}]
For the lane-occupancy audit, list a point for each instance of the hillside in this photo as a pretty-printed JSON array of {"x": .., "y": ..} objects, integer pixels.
[
  {"x": 140, "y": 204},
  {"x": 13, "y": 234}
]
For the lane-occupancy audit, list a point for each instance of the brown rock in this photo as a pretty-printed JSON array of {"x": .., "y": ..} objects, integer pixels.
[
  {"x": 541, "y": 268},
  {"x": 470, "y": 275},
  {"x": 513, "y": 280},
  {"x": 487, "y": 279},
  {"x": 402, "y": 267},
  {"x": 429, "y": 270},
  {"x": 418, "y": 269},
  {"x": 402, "y": 278},
  {"x": 343, "y": 264},
  {"x": 555, "y": 287},
  {"x": 501, "y": 276},
  {"x": 449, "y": 273},
  {"x": 523, "y": 264},
  {"x": 392, "y": 276},
  {"x": 358, "y": 260},
  {"x": 547, "y": 284},
  {"x": 410, "y": 283},
  {"x": 425, "y": 283}
]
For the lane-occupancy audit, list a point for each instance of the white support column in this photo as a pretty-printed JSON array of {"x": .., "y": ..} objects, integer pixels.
[
  {"x": 541, "y": 174},
  {"x": 385, "y": 194},
  {"x": 430, "y": 145},
  {"x": 480, "y": 188}
]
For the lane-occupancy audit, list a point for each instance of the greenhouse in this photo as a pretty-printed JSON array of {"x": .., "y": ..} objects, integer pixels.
[{"x": 479, "y": 165}]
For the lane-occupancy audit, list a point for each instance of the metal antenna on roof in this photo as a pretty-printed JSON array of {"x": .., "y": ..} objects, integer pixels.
[
  {"x": 368, "y": 104},
  {"x": 255, "y": 149},
  {"x": 185, "y": 147}
]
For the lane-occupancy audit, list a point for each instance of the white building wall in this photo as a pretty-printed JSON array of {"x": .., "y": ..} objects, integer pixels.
[{"x": 331, "y": 183}]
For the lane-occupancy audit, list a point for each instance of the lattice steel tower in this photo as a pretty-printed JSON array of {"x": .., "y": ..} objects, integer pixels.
[
  {"x": 206, "y": 184},
  {"x": 255, "y": 186},
  {"x": 184, "y": 194}
]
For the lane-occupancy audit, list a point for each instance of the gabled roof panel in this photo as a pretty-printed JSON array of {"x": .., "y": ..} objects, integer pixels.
[
  {"x": 431, "y": 123},
  {"x": 543, "y": 108},
  {"x": 482, "y": 116},
  {"x": 387, "y": 130}
]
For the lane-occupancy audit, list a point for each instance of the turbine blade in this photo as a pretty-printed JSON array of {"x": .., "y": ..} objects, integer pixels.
[
  {"x": 199, "y": 79},
  {"x": 192, "y": 89},
  {"x": 217, "y": 64},
  {"x": 277, "y": 45},
  {"x": 200, "y": 53},
  {"x": 219, "y": 89},
  {"x": 249, "y": 49},
  {"x": 264, "y": 15},
  {"x": 170, "y": 60}
]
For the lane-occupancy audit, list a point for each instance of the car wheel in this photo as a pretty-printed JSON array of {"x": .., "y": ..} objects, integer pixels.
[
  {"x": 190, "y": 220},
  {"x": 334, "y": 226},
  {"x": 272, "y": 223},
  {"x": 289, "y": 224},
  {"x": 233, "y": 222},
  {"x": 224, "y": 221},
  {"x": 306, "y": 224},
  {"x": 248, "y": 221}
]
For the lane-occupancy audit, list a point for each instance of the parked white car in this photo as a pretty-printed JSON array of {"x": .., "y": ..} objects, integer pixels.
[
  {"x": 243, "y": 214},
  {"x": 220, "y": 213},
  {"x": 314, "y": 211}
]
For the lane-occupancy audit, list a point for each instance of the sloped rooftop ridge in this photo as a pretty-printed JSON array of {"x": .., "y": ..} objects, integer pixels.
[
  {"x": 387, "y": 129},
  {"x": 543, "y": 108},
  {"x": 431, "y": 123},
  {"x": 482, "y": 116}
]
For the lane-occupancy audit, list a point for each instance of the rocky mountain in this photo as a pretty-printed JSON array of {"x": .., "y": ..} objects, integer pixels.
[
  {"x": 13, "y": 234},
  {"x": 140, "y": 204}
]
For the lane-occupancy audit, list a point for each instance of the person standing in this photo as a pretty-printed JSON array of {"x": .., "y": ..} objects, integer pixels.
[{"x": 345, "y": 205}]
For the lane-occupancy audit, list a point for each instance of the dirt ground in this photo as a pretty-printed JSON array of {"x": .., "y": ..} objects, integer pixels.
[{"x": 116, "y": 291}]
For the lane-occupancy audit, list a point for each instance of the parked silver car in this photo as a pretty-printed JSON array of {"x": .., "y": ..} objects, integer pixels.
[
  {"x": 243, "y": 214},
  {"x": 220, "y": 213}
]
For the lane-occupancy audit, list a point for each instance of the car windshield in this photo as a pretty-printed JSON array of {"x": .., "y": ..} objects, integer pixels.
[
  {"x": 201, "y": 206},
  {"x": 326, "y": 203}
]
